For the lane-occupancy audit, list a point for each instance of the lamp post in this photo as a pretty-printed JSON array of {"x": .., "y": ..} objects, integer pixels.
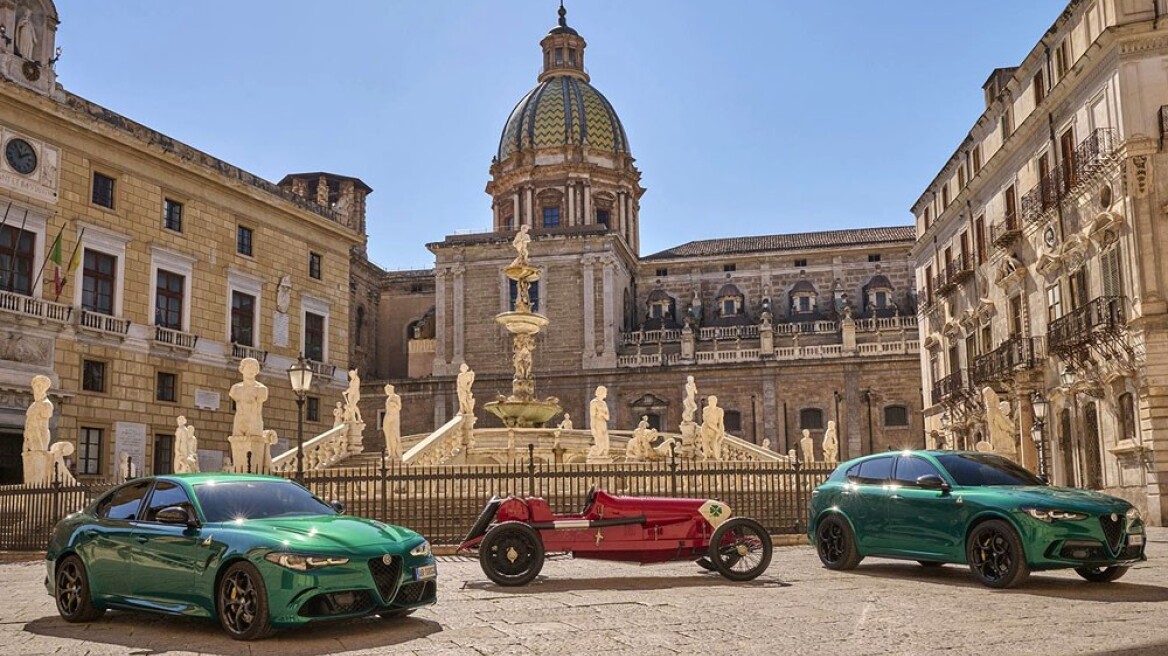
[
  {"x": 1067, "y": 377},
  {"x": 300, "y": 376},
  {"x": 1039, "y": 404}
]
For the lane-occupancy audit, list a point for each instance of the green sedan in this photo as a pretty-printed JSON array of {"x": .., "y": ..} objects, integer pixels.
[
  {"x": 973, "y": 508},
  {"x": 255, "y": 552}
]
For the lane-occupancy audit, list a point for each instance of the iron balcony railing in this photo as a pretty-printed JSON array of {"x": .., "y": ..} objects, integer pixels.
[
  {"x": 1014, "y": 355},
  {"x": 1085, "y": 326},
  {"x": 1088, "y": 158},
  {"x": 955, "y": 272},
  {"x": 1006, "y": 231},
  {"x": 955, "y": 385}
]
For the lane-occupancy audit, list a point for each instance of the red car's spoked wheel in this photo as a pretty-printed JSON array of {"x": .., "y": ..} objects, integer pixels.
[
  {"x": 740, "y": 549},
  {"x": 511, "y": 553}
]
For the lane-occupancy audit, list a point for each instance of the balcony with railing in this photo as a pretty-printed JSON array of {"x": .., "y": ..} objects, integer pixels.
[
  {"x": 956, "y": 271},
  {"x": 241, "y": 351},
  {"x": 1015, "y": 355},
  {"x": 322, "y": 369},
  {"x": 1092, "y": 154},
  {"x": 1006, "y": 231},
  {"x": 104, "y": 324},
  {"x": 175, "y": 339},
  {"x": 1073, "y": 334},
  {"x": 952, "y": 387},
  {"x": 34, "y": 308}
]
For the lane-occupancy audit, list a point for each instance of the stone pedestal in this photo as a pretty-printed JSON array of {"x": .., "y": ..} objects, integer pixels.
[
  {"x": 688, "y": 344},
  {"x": 468, "y": 423},
  {"x": 260, "y": 448},
  {"x": 599, "y": 460},
  {"x": 848, "y": 330},
  {"x": 766, "y": 340},
  {"x": 38, "y": 467},
  {"x": 355, "y": 436},
  {"x": 690, "y": 443}
]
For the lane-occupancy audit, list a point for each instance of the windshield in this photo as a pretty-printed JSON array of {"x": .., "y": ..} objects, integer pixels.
[
  {"x": 224, "y": 502},
  {"x": 985, "y": 469}
]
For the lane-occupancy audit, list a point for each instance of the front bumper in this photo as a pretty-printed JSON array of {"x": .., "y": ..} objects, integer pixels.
[
  {"x": 1084, "y": 543},
  {"x": 364, "y": 586}
]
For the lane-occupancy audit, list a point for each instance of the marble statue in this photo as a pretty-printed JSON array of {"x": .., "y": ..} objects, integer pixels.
[
  {"x": 566, "y": 424},
  {"x": 830, "y": 444},
  {"x": 464, "y": 381},
  {"x": 983, "y": 445},
  {"x": 523, "y": 345},
  {"x": 186, "y": 448},
  {"x": 391, "y": 425},
  {"x": 1001, "y": 427},
  {"x": 766, "y": 444},
  {"x": 521, "y": 241},
  {"x": 807, "y": 446},
  {"x": 640, "y": 445},
  {"x": 338, "y": 414},
  {"x": 35, "y": 454},
  {"x": 791, "y": 455},
  {"x": 284, "y": 294},
  {"x": 249, "y": 396},
  {"x": 26, "y": 38},
  {"x": 713, "y": 429},
  {"x": 352, "y": 396},
  {"x": 598, "y": 413},
  {"x": 689, "y": 404}
]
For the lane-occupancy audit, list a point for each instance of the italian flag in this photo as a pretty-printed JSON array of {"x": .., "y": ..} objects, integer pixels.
[{"x": 55, "y": 257}]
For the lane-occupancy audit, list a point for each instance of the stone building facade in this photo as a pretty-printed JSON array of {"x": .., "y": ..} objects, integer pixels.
[
  {"x": 789, "y": 331},
  {"x": 1039, "y": 259},
  {"x": 184, "y": 265}
]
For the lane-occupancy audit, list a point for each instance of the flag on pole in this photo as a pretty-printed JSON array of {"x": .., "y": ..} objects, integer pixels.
[
  {"x": 58, "y": 264},
  {"x": 71, "y": 267}
]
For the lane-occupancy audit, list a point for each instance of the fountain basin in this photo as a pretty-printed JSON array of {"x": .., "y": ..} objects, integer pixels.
[
  {"x": 523, "y": 414},
  {"x": 522, "y": 323},
  {"x": 521, "y": 272}
]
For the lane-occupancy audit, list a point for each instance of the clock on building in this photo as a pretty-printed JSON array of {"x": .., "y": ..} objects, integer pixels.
[{"x": 21, "y": 156}]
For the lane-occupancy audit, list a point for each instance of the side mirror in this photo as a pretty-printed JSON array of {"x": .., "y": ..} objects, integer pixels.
[
  {"x": 337, "y": 506},
  {"x": 176, "y": 515},
  {"x": 1044, "y": 480},
  {"x": 934, "y": 482}
]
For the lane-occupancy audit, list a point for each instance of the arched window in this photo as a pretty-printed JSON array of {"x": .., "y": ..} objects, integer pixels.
[
  {"x": 811, "y": 418},
  {"x": 895, "y": 416},
  {"x": 360, "y": 324},
  {"x": 1127, "y": 417}
]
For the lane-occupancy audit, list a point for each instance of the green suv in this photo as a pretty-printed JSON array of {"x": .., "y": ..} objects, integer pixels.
[{"x": 980, "y": 509}]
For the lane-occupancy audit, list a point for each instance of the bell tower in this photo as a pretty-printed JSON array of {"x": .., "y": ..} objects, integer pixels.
[{"x": 28, "y": 43}]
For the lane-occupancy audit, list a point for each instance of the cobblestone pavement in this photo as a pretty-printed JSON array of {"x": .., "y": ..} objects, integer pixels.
[{"x": 586, "y": 607}]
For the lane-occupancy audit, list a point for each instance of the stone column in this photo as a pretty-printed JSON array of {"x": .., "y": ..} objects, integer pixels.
[
  {"x": 609, "y": 354},
  {"x": 1024, "y": 422},
  {"x": 569, "y": 204},
  {"x": 620, "y": 213},
  {"x": 439, "y": 321},
  {"x": 589, "y": 291},
  {"x": 530, "y": 207},
  {"x": 587, "y": 205},
  {"x": 770, "y": 413},
  {"x": 459, "y": 317},
  {"x": 517, "y": 217}
]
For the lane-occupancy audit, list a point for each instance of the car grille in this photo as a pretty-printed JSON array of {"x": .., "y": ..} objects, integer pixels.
[
  {"x": 386, "y": 576},
  {"x": 412, "y": 593},
  {"x": 337, "y": 603},
  {"x": 1112, "y": 530}
]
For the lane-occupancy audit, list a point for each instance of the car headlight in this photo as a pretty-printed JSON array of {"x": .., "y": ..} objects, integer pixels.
[
  {"x": 422, "y": 550},
  {"x": 1133, "y": 515},
  {"x": 1048, "y": 515},
  {"x": 302, "y": 563}
]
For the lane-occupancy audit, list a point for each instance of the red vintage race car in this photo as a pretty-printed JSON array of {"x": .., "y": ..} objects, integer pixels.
[{"x": 513, "y": 534}]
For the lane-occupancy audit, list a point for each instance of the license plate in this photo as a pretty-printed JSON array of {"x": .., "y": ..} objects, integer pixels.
[
  {"x": 426, "y": 572},
  {"x": 1135, "y": 539}
]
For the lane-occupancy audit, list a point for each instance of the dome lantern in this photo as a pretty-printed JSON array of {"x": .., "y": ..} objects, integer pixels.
[{"x": 563, "y": 50}]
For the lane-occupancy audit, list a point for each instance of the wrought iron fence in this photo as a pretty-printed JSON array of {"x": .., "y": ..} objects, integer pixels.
[
  {"x": 442, "y": 501},
  {"x": 1073, "y": 333}
]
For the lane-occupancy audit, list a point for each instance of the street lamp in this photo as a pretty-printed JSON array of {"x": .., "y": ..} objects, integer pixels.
[
  {"x": 1067, "y": 376},
  {"x": 1039, "y": 404},
  {"x": 300, "y": 375}
]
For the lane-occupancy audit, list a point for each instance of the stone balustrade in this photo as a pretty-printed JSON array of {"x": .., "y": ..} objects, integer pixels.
[
  {"x": 328, "y": 448},
  {"x": 34, "y": 308}
]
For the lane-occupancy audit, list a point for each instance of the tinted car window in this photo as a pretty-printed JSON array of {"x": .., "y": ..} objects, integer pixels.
[
  {"x": 985, "y": 469},
  {"x": 853, "y": 473},
  {"x": 223, "y": 502},
  {"x": 124, "y": 502},
  {"x": 165, "y": 495},
  {"x": 876, "y": 470},
  {"x": 910, "y": 468}
]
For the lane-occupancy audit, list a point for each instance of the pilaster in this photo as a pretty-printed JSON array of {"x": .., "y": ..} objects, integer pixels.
[
  {"x": 608, "y": 357},
  {"x": 440, "y": 361},
  {"x": 459, "y": 326},
  {"x": 588, "y": 262}
]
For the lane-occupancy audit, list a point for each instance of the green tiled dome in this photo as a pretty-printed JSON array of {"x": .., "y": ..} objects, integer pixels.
[{"x": 563, "y": 110}]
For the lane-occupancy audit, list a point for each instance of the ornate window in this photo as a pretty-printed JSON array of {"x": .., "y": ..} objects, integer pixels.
[
  {"x": 803, "y": 297},
  {"x": 17, "y": 253},
  {"x": 878, "y": 294},
  {"x": 1127, "y": 417},
  {"x": 730, "y": 301},
  {"x": 895, "y": 416}
]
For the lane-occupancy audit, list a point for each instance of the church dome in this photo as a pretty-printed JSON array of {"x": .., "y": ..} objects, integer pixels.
[{"x": 563, "y": 110}]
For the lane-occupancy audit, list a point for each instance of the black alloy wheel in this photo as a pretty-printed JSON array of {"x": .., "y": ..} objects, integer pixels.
[
  {"x": 243, "y": 603},
  {"x": 71, "y": 585},
  {"x": 836, "y": 544},
  {"x": 511, "y": 553},
  {"x": 1101, "y": 574},
  {"x": 740, "y": 549},
  {"x": 996, "y": 556}
]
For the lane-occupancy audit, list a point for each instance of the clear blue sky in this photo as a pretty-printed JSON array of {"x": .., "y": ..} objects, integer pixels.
[{"x": 746, "y": 118}]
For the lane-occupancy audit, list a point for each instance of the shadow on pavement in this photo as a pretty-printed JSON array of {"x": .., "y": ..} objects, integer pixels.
[
  {"x": 146, "y": 634},
  {"x": 1160, "y": 647},
  {"x": 1038, "y": 584},
  {"x": 625, "y": 583}
]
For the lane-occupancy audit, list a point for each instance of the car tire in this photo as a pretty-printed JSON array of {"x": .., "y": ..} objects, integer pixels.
[
  {"x": 835, "y": 542},
  {"x": 1101, "y": 574},
  {"x": 396, "y": 614},
  {"x": 72, "y": 593},
  {"x": 930, "y": 564},
  {"x": 511, "y": 553},
  {"x": 995, "y": 555},
  {"x": 242, "y": 602},
  {"x": 740, "y": 549}
]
